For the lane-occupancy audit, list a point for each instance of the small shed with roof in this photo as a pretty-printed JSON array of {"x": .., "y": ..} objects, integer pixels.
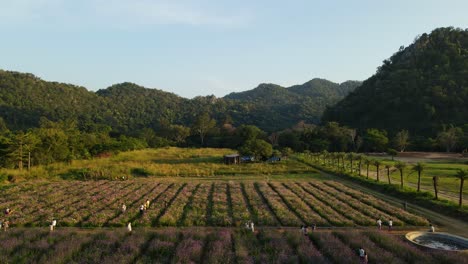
[{"x": 232, "y": 159}]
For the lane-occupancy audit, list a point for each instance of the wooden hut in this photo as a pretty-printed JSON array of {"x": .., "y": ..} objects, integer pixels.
[{"x": 232, "y": 159}]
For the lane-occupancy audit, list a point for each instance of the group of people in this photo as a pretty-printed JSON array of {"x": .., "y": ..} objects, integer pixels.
[
  {"x": 250, "y": 225},
  {"x": 305, "y": 229},
  {"x": 5, "y": 224},
  {"x": 144, "y": 207},
  {"x": 390, "y": 224}
]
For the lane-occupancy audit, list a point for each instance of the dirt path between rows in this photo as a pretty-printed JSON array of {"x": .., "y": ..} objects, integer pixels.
[{"x": 441, "y": 222}]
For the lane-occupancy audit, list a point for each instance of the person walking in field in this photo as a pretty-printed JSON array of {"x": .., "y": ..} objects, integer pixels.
[
  {"x": 129, "y": 227},
  {"x": 6, "y": 225},
  {"x": 53, "y": 225},
  {"x": 252, "y": 226},
  {"x": 432, "y": 228},
  {"x": 305, "y": 231},
  {"x": 7, "y": 211},
  {"x": 142, "y": 209},
  {"x": 379, "y": 224},
  {"x": 362, "y": 254},
  {"x": 390, "y": 225},
  {"x": 124, "y": 208},
  {"x": 147, "y": 204}
]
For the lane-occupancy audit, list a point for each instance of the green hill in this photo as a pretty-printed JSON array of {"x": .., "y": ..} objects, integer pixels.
[
  {"x": 420, "y": 88},
  {"x": 275, "y": 107},
  {"x": 128, "y": 107}
]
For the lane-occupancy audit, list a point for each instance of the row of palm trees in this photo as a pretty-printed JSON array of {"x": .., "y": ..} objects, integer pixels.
[{"x": 337, "y": 160}]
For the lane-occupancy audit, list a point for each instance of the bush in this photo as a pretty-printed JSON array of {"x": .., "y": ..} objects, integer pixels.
[{"x": 140, "y": 172}]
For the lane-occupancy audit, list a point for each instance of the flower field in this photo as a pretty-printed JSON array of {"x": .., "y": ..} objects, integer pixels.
[
  {"x": 211, "y": 245},
  {"x": 197, "y": 203}
]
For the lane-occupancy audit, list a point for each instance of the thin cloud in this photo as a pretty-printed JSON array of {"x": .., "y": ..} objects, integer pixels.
[
  {"x": 167, "y": 12},
  {"x": 121, "y": 13}
]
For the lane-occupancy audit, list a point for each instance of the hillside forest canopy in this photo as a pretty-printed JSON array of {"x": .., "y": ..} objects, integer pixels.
[{"x": 416, "y": 101}]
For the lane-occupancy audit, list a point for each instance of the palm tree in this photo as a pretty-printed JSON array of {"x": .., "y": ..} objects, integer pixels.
[
  {"x": 388, "y": 167},
  {"x": 342, "y": 155},
  {"x": 435, "y": 181},
  {"x": 401, "y": 167},
  {"x": 377, "y": 164},
  {"x": 367, "y": 161},
  {"x": 350, "y": 156},
  {"x": 462, "y": 175},
  {"x": 359, "y": 159},
  {"x": 419, "y": 167}
]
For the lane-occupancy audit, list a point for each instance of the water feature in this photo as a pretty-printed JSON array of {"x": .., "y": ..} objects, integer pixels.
[{"x": 437, "y": 240}]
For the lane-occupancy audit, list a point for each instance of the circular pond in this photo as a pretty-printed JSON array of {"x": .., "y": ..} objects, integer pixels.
[{"x": 442, "y": 241}]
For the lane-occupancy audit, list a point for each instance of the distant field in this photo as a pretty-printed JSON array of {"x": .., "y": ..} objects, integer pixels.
[
  {"x": 197, "y": 203},
  {"x": 164, "y": 162},
  {"x": 443, "y": 165},
  {"x": 220, "y": 245}
]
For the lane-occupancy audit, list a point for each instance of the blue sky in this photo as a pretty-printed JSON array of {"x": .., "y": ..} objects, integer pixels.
[{"x": 211, "y": 47}]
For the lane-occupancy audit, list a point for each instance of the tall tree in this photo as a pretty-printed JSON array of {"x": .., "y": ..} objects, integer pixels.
[
  {"x": 401, "y": 167},
  {"x": 419, "y": 167},
  {"x": 179, "y": 133},
  {"x": 203, "y": 124},
  {"x": 401, "y": 140},
  {"x": 376, "y": 140},
  {"x": 462, "y": 175},
  {"x": 359, "y": 160},
  {"x": 448, "y": 138},
  {"x": 368, "y": 162},
  {"x": 351, "y": 157},
  {"x": 435, "y": 183},
  {"x": 258, "y": 148},
  {"x": 377, "y": 164},
  {"x": 388, "y": 167}
]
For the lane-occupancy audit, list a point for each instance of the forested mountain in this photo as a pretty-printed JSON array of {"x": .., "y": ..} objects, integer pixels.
[
  {"x": 24, "y": 99},
  {"x": 273, "y": 104},
  {"x": 421, "y": 88},
  {"x": 128, "y": 108}
]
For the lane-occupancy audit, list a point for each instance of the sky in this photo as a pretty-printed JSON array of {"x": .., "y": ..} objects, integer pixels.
[{"x": 215, "y": 47}]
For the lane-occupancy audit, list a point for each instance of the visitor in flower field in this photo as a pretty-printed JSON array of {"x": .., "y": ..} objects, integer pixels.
[
  {"x": 53, "y": 225},
  {"x": 6, "y": 225},
  {"x": 432, "y": 228},
  {"x": 124, "y": 208},
  {"x": 362, "y": 254},
  {"x": 142, "y": 209},
  {"x": 147, "y": 204},
  {"x": 390, "y": 224},
  {"x": 366, "y": 258},
  {"x": 305, "y": 231},
  {"x": 379, "y": 224},
  {"x": 252, "y": 226},
  {"x": 129, "y": 227},
  {"x": 314, "y": 227},
  {"x": 7, "y": 211}
]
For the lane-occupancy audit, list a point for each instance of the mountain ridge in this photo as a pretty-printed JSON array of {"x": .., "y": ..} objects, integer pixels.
[{"x": 126, "y": 106}]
